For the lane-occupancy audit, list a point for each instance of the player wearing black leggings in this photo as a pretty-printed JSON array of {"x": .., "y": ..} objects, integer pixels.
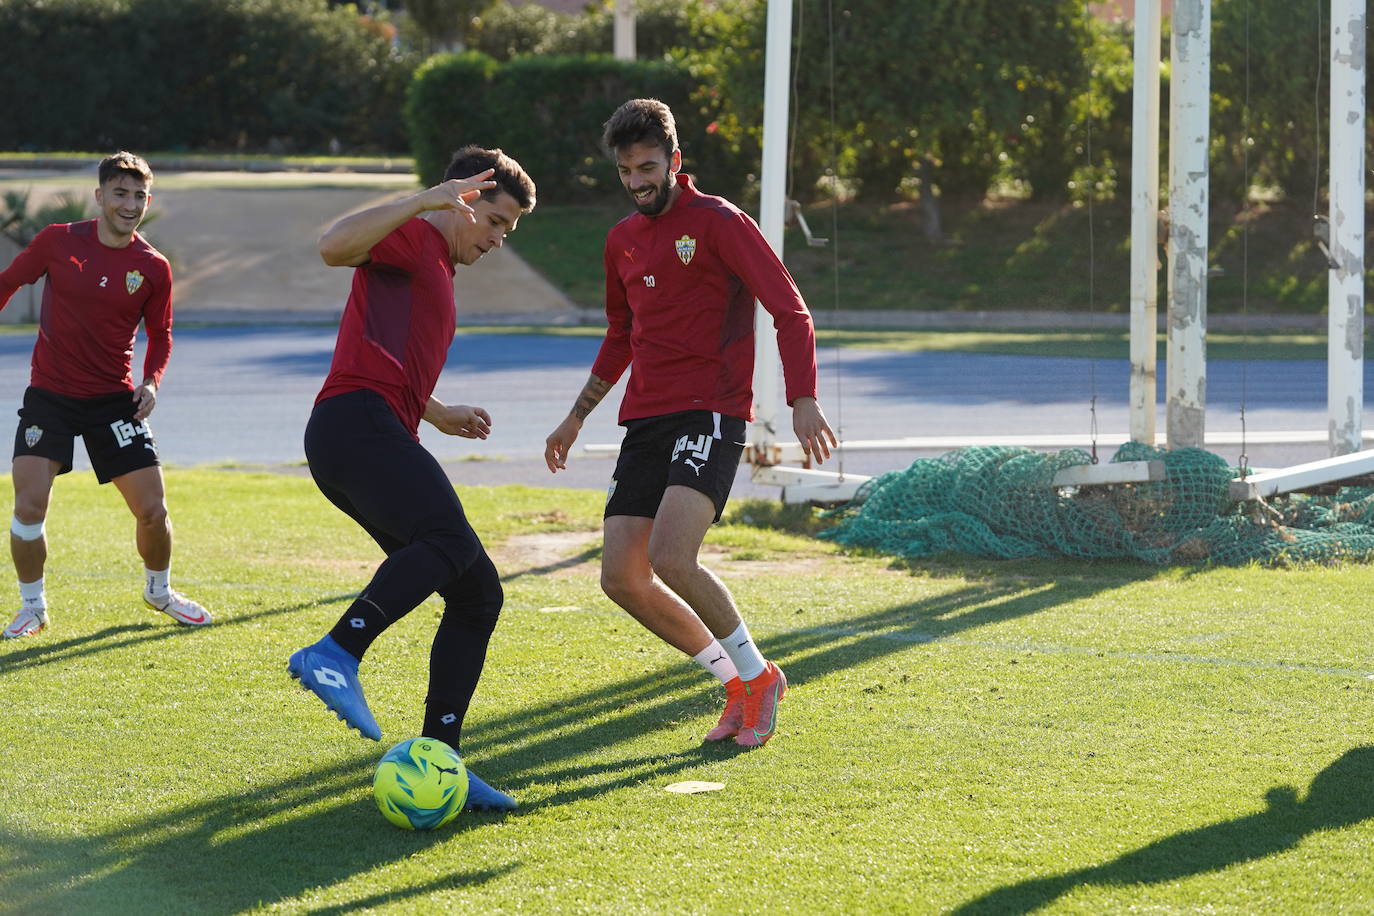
[{"x": 362, "y": 440}]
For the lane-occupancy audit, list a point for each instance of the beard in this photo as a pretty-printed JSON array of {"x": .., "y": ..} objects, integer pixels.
[{"x": 654, "y": 205}]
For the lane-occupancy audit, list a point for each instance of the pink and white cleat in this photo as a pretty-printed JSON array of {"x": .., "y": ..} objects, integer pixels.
[
  {"x": 178, "y": 607},
  {"x": 26, "y": 622}
]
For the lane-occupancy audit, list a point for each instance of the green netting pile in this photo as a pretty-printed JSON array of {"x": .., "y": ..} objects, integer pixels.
[{"x": 1001, "y": 502}]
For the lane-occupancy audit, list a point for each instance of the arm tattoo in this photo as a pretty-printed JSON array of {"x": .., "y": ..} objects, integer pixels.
[{"x": 591, "y": 395}]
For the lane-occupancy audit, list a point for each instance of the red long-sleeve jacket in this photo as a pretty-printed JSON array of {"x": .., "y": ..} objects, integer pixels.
[{"x": 680, "y": 291}]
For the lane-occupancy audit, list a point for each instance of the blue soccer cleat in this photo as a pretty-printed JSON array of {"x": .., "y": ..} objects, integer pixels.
[
  {"x": 331, "y": 674},
  {"x": 482, "y": 797}
]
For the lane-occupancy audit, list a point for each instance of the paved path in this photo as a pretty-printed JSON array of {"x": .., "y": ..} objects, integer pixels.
[
  {"x": 241, "y": 394},
  {"x": 243, "y": 246}
]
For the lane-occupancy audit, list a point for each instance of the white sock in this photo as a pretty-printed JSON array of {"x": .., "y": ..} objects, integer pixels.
[
  {"x": 31, "y": 594},
  {"x": 742, "y": 651},
  {"x": 717, "y": 661},
  {"x": 159, "y": 580}
]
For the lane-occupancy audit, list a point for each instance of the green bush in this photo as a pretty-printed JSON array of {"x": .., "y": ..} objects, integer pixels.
[
  {"x": 60, "y": 100},
  {"x": 548, "y": 113},
  {"x": 505, "y": 31},
  {"x": 662, "y": 29},
  {"x": 281, "y": 75},
  {"x": 446, "y": 104}
]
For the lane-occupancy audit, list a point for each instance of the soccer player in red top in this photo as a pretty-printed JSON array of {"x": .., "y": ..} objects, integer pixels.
[
  {"x": 103, "y": 278},
  {"x": 363, "y": 446},
  {"x": 682, "y": 274}
]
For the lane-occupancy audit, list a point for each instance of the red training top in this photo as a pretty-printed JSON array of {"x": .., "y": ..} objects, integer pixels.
[
  {"x": 398, "y": 324},
  {"x": 92, "y": 303},
  {"x": 680, "y": 290}
]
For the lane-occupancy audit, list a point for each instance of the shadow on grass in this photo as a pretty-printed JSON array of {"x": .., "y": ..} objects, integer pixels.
[
  {"x": 318, "y": 829},
  {"x": 231, "y": 854},
  {"x": 1339, "y": 796},
  {"x": 586, "y": 556},
  {"x": 453, "y": 881},
  {"x": 34, "y": 651},
  {"x": 522, "y": 748}
]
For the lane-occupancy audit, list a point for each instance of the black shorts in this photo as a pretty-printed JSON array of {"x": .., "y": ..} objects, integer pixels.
[
  {"x": 692, "y": 448},
  {"x": 115, "y": 442}
]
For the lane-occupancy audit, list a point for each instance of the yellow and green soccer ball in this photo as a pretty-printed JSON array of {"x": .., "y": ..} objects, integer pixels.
[{"x": 420, "y": 784}]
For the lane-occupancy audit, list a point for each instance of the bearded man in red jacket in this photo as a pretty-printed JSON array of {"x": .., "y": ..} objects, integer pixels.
[{"x": 682, "y": 274}]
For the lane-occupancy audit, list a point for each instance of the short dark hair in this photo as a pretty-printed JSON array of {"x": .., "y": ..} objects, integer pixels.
[
  {"x": 509, "y": 175},
  {"x": 640, "y": 121},
  {"x": 124, "y": 163}
]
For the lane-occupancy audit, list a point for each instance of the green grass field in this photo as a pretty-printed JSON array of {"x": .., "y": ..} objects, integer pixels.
[{"x": 961, "y": 735}]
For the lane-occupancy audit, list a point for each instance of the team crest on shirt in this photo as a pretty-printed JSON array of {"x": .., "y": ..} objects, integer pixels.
[
  {"x": 132, "y": 281},
  {"x": 32, "y": 435},
  {"x": 686, "y": 249}
]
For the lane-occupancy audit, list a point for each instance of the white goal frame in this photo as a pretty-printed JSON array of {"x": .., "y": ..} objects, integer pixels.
[{"x": 1187, "y": 246}]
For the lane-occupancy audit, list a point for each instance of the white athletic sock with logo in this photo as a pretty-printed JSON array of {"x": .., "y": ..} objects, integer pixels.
[
  {"x": 744, "y": 653},
  {"x": 31, "y": 594},
  {"x": 159, "y": 581},
  {"x": 717, "y": 661}
]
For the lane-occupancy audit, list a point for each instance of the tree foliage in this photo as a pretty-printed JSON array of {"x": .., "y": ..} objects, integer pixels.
[
  {"x": 548, "y": 113},
  {"x": 939, "y": 99},
  {"x": 663, "y": 28},
  {"x": 215, "y": 74},
  {"x": 1270, "y": 72},
  {"x": 957, "y": 91},
  {"x": 446, "y": 23}
]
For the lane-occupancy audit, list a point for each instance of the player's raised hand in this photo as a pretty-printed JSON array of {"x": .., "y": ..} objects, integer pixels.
[
  {"x": 348, "y": 243},
  {"x": 455, "y": 194},
  {"x": 812, "y": 430},
  {"x": 559, "y": 443}
]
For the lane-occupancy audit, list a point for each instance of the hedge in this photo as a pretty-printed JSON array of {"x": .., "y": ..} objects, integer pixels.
[
  {"x": 284, "y": 75},
  {"x": 548, "y": 113}
]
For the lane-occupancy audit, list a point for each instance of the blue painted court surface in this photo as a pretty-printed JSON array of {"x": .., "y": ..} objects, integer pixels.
[{"x": 241, "y": 394}]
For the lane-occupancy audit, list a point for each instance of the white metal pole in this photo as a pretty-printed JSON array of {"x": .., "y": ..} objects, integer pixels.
[
  {"x": 1189, "y": 126},
  {"x": 1345, "y": 280},
  {"x": 1145, "y": 220},
  {"x": 772, "y": 201},
  {"x": 623, "y": 35}
]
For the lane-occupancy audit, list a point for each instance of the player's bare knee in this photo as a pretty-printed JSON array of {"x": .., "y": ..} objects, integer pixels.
[
  {"x": 613, "y": 586},
  {"x": 621, "y": 588},
  {"x": 673, "y": 567},
  {"x": 153, "y": 515},
  {"x": 30, "y": 511}
]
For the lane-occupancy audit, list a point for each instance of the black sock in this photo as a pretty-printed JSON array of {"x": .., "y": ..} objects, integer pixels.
[
  {"x": 444, "y": 722},
  {"x": 363, "y": 622}
]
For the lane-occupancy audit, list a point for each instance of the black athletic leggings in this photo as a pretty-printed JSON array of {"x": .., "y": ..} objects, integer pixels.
[{"x": 365, "y": 462}]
